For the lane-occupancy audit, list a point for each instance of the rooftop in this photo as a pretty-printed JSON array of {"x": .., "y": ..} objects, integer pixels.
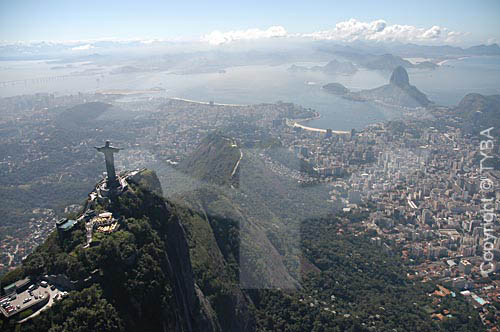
[
  {"x": 66, "y": 225},
  {"x": 17, "y": 284}
]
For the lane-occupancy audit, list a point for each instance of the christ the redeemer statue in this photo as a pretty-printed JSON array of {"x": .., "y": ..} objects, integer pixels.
[{"x": 109, "y": 151}]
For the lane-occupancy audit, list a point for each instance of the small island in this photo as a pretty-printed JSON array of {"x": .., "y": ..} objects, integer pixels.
[{"x": 335, "y": 88}]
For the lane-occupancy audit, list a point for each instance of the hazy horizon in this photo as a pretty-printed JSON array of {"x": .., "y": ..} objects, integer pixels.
[{"x": 222, "y": 22}]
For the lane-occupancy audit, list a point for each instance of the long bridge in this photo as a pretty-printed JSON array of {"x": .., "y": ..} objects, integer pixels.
[
  {"x": 46, "y": 79},
  {"x": 40, "y": 80}
]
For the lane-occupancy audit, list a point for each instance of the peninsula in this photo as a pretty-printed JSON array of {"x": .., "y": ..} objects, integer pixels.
[{"x": 399, "y": 92}]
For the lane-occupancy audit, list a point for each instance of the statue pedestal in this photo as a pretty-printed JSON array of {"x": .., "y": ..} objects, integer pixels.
[
  {"x": 109, "y": 188},
  {"x": 112, "y": 184}
]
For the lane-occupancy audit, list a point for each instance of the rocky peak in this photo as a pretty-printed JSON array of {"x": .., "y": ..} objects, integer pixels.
[{"x": 399, "y": 77}]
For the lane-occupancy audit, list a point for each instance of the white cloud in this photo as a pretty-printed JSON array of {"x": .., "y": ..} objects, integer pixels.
[
  {"x": 348, "y": 31},
  {"x": 432, "y": 33},
  {"x": 379, "y": 30},
  {"x": 492, "y": 40},
  {"x": 83, "y": 47},
  {"x": 149, "y": 41},
  {"x": 454, "y": 37},
  {"x": 217, "y": 37}
]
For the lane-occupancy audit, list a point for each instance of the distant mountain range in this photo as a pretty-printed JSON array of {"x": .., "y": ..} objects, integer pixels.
[
  {"x": 408, "y": 50},
  {"x": 332, "y": 67},
  {"x": 412, "y": 50},
  {"x": 384, "y": 61},
  {"x": 291, "y": 51},
  {"x": 398, "y": 92}
]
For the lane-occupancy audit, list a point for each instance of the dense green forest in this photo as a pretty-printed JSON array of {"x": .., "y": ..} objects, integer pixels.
[
  {"x": 170, "y": 268},
  {"x": 131, "y": 275},
  {"x": 354, "y": 286}
]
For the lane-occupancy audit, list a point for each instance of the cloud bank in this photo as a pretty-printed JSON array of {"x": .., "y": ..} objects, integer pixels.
[
  {"x": 217, "y": 37},
  {"x": 346, "y": 31},
  {"x": 83, "y": 47},
  {"x": 379, "y": 30}
]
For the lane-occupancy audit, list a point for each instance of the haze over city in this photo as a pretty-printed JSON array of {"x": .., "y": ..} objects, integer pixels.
[{"x": 249, "y": 166}]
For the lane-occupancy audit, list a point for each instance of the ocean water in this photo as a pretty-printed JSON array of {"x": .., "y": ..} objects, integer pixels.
[
  {"x": 448, "y": 84},
  {"x": 264, "y": 84}
]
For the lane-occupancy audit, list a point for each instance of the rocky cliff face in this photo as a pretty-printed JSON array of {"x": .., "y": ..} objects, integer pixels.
[
  {"x": 202, "y": 252},
  {"x": 148, "y": 180},
  {"x": 142, "y": 201},
  {"x": 398, "y": 92},
  {"x": 214, "y": 248},
  {"x": 400, "y": 77}
]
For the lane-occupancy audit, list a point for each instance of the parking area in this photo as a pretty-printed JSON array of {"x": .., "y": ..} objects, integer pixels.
[{"x": 36, "y": 297}]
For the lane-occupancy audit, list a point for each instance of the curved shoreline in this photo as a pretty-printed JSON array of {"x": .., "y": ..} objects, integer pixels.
[
  {"x": 442, "y": 62},
  {"x": 205, "y": 102},
  {"x": 298, "y": 123},
  {"x": 339, "y": 132}
]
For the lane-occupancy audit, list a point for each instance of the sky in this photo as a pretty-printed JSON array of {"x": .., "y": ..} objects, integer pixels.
[{"x": 469, "y": 22}]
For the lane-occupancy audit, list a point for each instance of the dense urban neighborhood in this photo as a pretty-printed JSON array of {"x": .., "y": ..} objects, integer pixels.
[{"x": 421, "y": 186}]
